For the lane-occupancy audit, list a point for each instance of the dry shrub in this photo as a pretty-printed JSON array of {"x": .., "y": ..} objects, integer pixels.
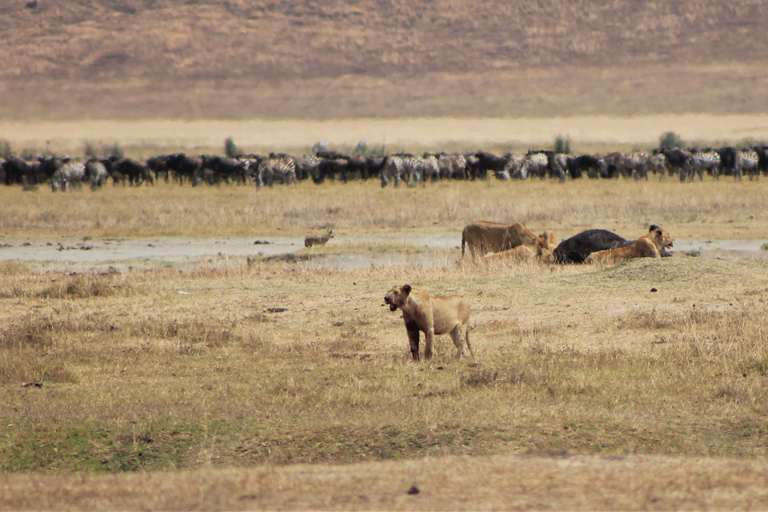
[
  {"x": 30, "y": 368},
  {"x": 479, "y": 377},
  {"x": 42, "y": 329},
  {"x": 207, "y": 333},
  {"x": 12, "y": 268},
  {"x": 27, "y": 334},
  {"x": 83, "y": 286}
]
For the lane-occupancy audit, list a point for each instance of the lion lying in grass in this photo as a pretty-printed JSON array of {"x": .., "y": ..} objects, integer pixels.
[
  {"x": 482, "y": 236},
  {"x": 647, "y": 246},
  {"x": 431, "y": 315},
  {"x": 523, "y": 253}
]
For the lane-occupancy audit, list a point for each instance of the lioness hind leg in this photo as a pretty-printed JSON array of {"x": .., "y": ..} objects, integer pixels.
[
  {"x": 466, "y": 335},
  {"x": 459, "y": 342}
]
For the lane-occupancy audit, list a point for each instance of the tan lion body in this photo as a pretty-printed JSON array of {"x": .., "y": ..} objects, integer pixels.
[
  {"x": 432, "y": 316},
  {"x": 482, "y": 236},
  {"x": 318, "y": 240},
  {"x": 647, "y": 246},
  {"x": 522, "y": 253}
]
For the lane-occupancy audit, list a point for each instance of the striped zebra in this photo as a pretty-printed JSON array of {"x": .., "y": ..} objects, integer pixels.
[
  {"x": 276, "y": 167},
  {"x": 703, "y": 161},
  {"x": 71, "y": 172},
  {"x": 431, "y": 167},
  {"x": 95, "y": 173},
  {"x": 750, "y": 164},
  {"x": 413, "y": 169},
  {"x": 636, "y": 164},
  {"x": 514, "y": 165},
  {"x": 452, "y": 166},
  {"x": 535, "y": 164},
  {"x": 558, "y": 166},
  {"x": 308, "y": 166},
  {"x": 392, "y": 169},
  {"x": 657, "y": 164}
]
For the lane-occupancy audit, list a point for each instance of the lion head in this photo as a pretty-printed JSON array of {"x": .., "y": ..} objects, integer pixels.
[
  {"x": 660, "y": 237},
  {"x": 397, "y": 296}
]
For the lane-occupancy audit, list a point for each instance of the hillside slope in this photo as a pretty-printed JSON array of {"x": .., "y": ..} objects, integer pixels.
[{"x": 240, "y": 58}]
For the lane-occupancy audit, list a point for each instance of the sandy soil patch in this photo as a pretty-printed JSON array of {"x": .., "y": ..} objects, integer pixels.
[{"x": 347, "y": 251}]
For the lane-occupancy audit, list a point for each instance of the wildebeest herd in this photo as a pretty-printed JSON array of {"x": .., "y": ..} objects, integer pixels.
[{"x": 688, "y": 164}]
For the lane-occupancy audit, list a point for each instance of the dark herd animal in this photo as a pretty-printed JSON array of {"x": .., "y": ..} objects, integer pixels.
[{"x": 688, "y": 164}]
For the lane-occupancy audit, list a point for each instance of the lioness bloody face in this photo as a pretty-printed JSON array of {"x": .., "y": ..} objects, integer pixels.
[{"x": 397, "y": 296}]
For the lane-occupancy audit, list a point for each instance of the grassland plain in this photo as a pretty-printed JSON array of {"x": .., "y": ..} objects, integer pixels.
[
  {"x": 279, "y": 385},
  {"x": 587, "y": 134}
]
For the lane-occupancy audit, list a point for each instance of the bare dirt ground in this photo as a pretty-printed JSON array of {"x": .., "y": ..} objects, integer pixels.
[{"x": 123, "y": 254}]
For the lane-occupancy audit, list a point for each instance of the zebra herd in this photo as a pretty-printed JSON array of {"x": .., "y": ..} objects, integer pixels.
[{"x": 64, "y": 172}]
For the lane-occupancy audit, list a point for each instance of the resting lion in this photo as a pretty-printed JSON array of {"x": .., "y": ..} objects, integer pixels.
[
  {"x": 431, "y": 315},
  {"x": 483, "y": 236},
  {"x": 647, "y": 246},
  {"x": 533, "y": 252}
]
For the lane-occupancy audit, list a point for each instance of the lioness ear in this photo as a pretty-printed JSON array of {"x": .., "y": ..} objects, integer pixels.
[
  {"x": 407, "y": 288},
  {"x": 654, "y": 227}
]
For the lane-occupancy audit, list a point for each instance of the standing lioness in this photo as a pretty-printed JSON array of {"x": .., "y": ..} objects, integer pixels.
[{"x": 431, "y": 315}]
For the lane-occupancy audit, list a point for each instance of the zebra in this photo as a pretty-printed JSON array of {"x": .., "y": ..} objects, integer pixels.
[
  {"x": 703, "y": 161},
  {"x": 558, "y": 166},
  {"x": 536, "y": 164},
  {"x": 95, "y": 173},
  {"x": 637, "y": 164},
  {"x": 413, "y": 169},
  {"x": 71, "y": 172},
  {"x": 279, "y": 167},
  {"x": 392, "y": 169},
  {"x": 750, "y": 164},
  {"x": 657, "y": 164},
  {"x": 452, "y": 166},
  {"x": 514, "y": 166},
  {"x": 431, "y": 167},
  {"x": 308, "y": 166}
]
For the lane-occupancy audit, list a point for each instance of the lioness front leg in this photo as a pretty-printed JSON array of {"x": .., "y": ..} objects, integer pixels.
[{"x": 413, "y": 339}]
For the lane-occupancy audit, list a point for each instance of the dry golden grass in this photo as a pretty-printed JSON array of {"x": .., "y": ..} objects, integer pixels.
[
  {"x": 260, "y": 367},
  {"x": 710, "y": 209}
]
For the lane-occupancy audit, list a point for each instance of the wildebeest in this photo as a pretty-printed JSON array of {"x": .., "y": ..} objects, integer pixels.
[
  {"x": 184, "y": 167},
  {"x": 589, "y": 164},
  {"x": 678, "y": 160},
  {"x": 578, "y": 247},
  {"x": 127, "y": 170},
  {"x": 488, "y": 162}
]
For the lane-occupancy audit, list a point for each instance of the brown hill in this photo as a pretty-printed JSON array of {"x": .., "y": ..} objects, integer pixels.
[{"x": 332, "y": 58}]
